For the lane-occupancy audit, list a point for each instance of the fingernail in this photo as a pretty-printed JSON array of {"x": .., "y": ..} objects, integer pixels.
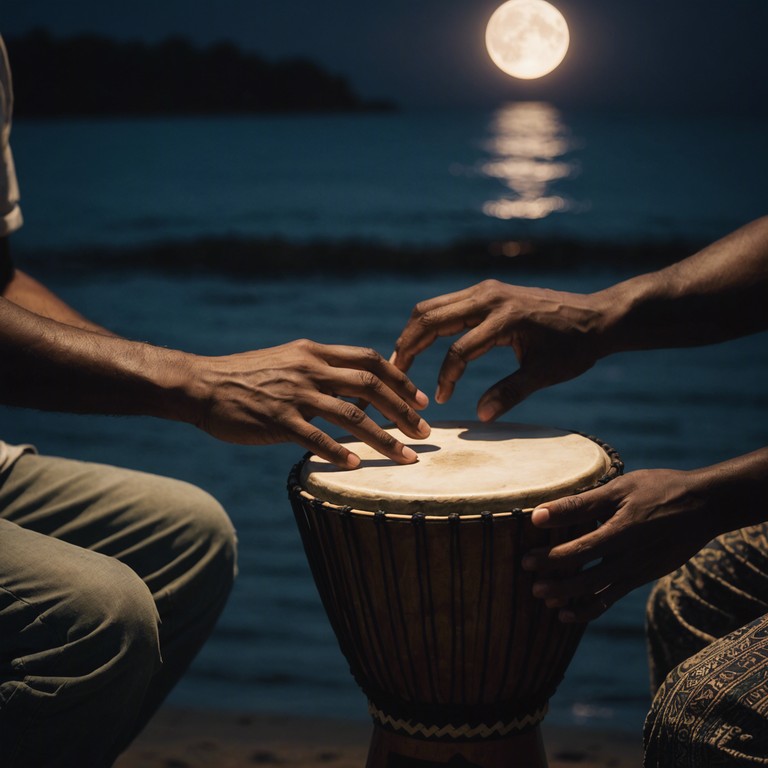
[
  {"x": 540, "y": 516},
  {"x": 567, "y": 617},
  {"x": 529, "y": 564},
  {"x": 393, "y": 358},
  {"x": 423, "y": 428},
  {"x": 353, "y": 461},
  {"x": 486, "y": 412},
  {"x": 409, "y": 453},
  {"x": 439, "y": 395},
  {"x": 539, "y": 589},
  {"x": 421, "y": 398}
]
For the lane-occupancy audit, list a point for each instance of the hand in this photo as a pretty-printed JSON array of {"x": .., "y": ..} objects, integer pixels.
[
  {"x": 270, "y": 395},
  {"x": 553, "y": 334},
  {"x": 653, "y": 521}
]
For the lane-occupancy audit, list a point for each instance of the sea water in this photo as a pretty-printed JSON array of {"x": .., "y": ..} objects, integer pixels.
[{"x": 525, "y": 169}]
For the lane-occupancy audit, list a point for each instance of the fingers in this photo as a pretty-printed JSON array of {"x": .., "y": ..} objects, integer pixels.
[
  {"x": 433, "y": 319},
  {"x": 579, "y": 577},
  {"x": 558, "y": 592},
  {"x": 570, "y": 556},
  {"x": 470, "y": 346},
  {"x": 589, "y": 608},
  {"x": 349, "y": 417},
  {"x": 318, "y": 442},
  {"x": 596, "y": 504},
  {"x": 364, "y": 359},
  {"x": 507, "y": 393},
  {"x": 582, "y": 596},
  {"x": 367, "y": 387}
]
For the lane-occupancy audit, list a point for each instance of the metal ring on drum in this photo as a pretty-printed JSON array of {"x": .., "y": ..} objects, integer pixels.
[{"x": 419, "y": 570}]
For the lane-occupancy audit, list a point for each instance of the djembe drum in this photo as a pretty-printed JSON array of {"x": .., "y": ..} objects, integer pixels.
[{"x": 419, "y": 570}]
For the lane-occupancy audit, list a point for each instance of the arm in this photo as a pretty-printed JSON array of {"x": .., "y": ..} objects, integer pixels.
[
  {"x": 717, "y": 294},
  {"x": 54, "y": 359},
  {"x": 25, "y": 291},
  {"x": 652, "y": 522}
]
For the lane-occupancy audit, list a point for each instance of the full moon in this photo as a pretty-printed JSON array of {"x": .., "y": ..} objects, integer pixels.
[{"x": 527, "y": 38}]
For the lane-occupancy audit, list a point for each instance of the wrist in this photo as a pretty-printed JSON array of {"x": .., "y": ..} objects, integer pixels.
[
  {"x": 631, "y": 312},
  {"x": 177, "y": 386},
  {"x": 734, "y": 491},
  {"x": 611, "y": 307}
]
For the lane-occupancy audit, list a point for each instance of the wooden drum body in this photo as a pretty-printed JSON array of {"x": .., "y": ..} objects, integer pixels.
[{"x": 419, "y": 570}]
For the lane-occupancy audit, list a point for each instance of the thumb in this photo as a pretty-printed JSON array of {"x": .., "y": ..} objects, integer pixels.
[
  {"x": 506, "y": 394},
  {"x": 586, "y": 507}
]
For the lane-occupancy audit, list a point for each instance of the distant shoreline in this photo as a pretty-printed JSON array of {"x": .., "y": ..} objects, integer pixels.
[
  {"x": 276, "y": 258},
  {"x": 89, "y": 75}
]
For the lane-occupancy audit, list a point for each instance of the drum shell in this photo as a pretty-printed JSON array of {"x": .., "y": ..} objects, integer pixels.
[{"x": 436, "y": 616}]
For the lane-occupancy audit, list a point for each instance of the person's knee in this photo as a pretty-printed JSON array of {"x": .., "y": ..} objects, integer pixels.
[
  {"x": 680, "y": 714},
  {"x": 659, "y": 729},
  {"x": 103, "y": 627},
  {"x": 710, "y": 707},
  {"x": 117, "y": 617}
]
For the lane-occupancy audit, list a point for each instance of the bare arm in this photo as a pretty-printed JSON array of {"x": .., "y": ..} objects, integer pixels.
[
  {"x": 52, "y": 358},
  {"x": 26, "y": 292},
  {"x": 717, "y": 294}
]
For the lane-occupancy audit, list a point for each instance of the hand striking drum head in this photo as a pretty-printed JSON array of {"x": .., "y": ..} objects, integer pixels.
[
  {"x": 465, "y": 468},
  {"x": 419, "y": 570}
]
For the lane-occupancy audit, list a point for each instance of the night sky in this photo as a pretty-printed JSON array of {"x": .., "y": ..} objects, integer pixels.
[{"x": 674, "y": 55}]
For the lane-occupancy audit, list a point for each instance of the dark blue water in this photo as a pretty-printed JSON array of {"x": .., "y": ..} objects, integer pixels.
[
  {"x": 526, "y": 169},
  {"x": 273, "y": 649}
]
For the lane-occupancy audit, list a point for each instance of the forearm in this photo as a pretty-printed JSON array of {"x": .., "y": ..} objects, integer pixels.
[
  {"x": 717, "y": 294},
  {"x": 50, "y": 365},
  {"x": 734, "y": 492},
  {"x": 26, "y": 292},
  {"x": 32, "y": 295}
]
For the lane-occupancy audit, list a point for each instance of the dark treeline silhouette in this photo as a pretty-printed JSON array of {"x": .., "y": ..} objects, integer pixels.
[
  {"x": 90, "y": 75},
  {"x": 255, "y": 258}
]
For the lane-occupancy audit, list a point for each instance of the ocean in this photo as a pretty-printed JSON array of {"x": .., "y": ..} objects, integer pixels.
[
  {"x": 421, "y": 178},
  {"x": 525, "y": 170}
]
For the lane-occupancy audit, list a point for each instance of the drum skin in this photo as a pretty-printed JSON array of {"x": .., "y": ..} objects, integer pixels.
[{"x": 438, "y": 622}]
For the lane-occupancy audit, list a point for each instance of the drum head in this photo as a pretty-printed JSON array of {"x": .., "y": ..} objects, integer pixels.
[{"x": 464, "y": 467}]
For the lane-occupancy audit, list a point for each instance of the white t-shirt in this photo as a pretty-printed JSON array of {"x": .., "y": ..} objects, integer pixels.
[{"x": 10, "y": 213}]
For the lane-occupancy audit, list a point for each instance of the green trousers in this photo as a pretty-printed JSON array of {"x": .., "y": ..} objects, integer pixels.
[{"x": 110, "y": 582}]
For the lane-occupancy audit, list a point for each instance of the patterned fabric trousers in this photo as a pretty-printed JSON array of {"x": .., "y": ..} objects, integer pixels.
[{"x": 707, "y": 629}]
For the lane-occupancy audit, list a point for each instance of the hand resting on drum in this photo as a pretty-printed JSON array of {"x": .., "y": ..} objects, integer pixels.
[
  {"x": 270, "y": 395},
  {"x": 714, "y": 295},
  {"x": 652, "y": 521}
]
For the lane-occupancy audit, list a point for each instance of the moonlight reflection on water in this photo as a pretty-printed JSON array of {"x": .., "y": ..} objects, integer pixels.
[{"x": 528, "y": 143}]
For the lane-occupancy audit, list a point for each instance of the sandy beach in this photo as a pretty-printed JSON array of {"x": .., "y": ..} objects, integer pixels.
[{"x": 180, "y": 738}]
